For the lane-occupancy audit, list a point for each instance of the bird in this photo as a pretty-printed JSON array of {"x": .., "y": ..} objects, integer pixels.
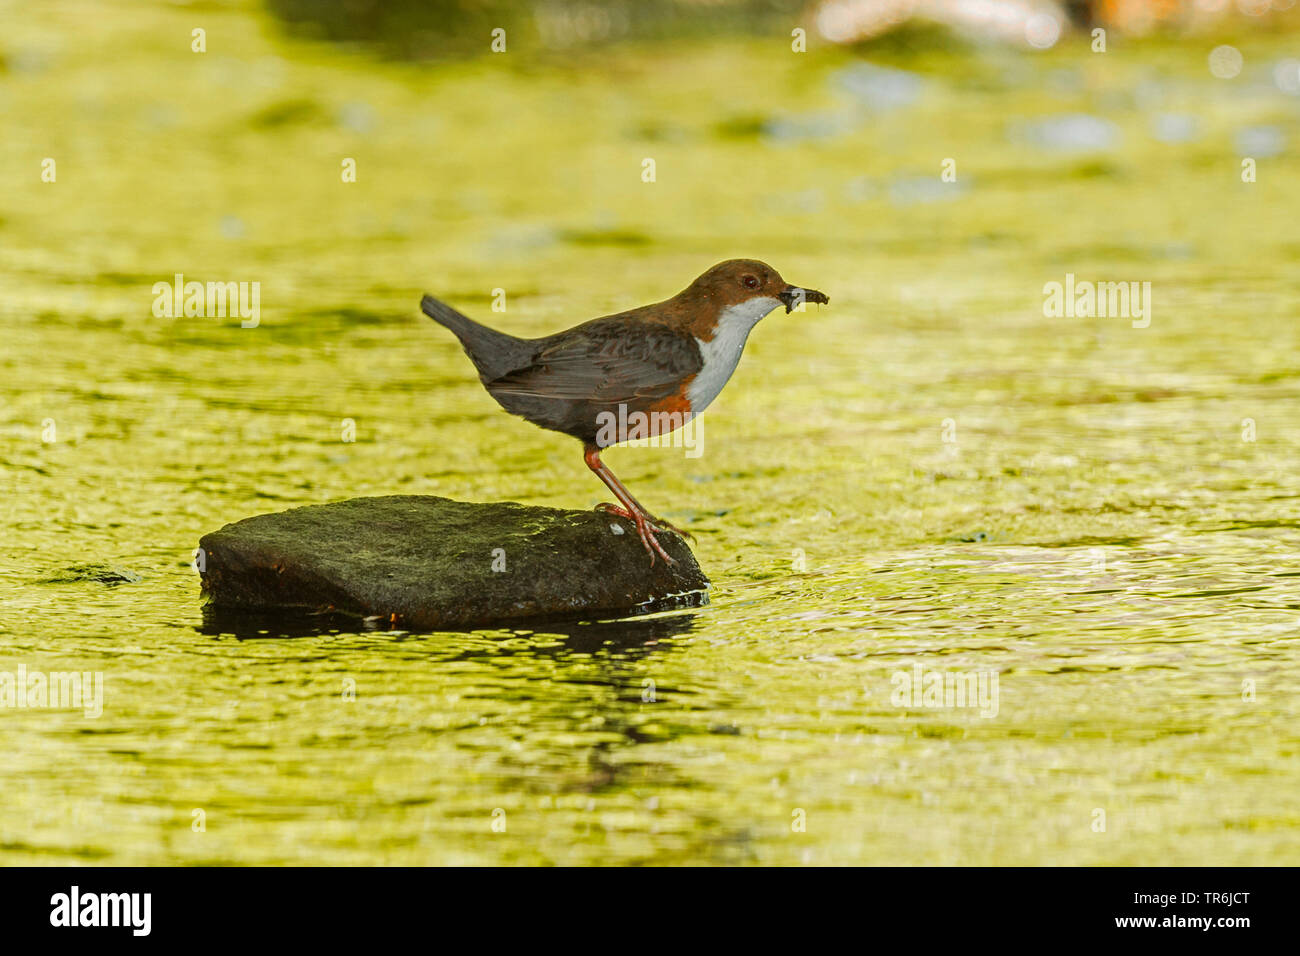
[{"x": 667, "y": 361}]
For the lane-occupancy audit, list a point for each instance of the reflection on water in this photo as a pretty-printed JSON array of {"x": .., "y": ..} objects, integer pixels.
[
  {"x": 578, "y": 635},
  {"x": 928, "y": 473}
]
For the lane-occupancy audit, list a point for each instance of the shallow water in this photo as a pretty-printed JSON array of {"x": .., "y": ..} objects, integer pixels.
[{"x": 1108, "y": 521}]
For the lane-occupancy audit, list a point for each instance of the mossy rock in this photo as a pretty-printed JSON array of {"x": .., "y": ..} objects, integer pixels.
[{"x": 427, "y": 563}]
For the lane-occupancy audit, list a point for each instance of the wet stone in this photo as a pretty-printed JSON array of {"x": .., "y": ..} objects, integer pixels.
[{"x": 428, "y": 563}]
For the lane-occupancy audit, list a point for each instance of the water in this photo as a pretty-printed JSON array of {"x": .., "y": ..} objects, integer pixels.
[{"x": 927, "y": 472}]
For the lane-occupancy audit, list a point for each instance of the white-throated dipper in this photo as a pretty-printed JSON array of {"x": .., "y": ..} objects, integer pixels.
[{"x": 665, "y": 361}]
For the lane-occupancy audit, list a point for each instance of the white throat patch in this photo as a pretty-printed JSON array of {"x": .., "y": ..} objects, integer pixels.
[{"x": 723, "y": 353}]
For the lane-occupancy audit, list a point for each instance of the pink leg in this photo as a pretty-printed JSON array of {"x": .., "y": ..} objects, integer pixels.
[
  {"x": 631, "y": 509},
  {"x": 652, "y": 520}
]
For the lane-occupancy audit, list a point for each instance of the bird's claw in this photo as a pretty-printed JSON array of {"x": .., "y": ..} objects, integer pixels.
[
  {"x": 654, "y": 522},
  {"x": 643, "y": 524},
  {"x": 663, "y": 525}
]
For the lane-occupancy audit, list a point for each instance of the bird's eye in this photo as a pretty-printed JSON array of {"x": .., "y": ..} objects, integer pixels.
[{"x": 750, "y": 282}]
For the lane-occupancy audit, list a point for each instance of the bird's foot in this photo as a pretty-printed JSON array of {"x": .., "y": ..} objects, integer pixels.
[
  {"x": 643, "y": 523},
  {"x": 663, "y": 525},
  {"x": 655, "y": 522}
]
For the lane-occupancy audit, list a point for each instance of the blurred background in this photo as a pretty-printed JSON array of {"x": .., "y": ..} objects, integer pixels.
[
  {"x": 411, "y": 29},
  {"x": 929, "y": 471}
]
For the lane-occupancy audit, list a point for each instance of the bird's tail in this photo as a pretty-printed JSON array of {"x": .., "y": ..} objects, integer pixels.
[{"x": 493, "y": 353}]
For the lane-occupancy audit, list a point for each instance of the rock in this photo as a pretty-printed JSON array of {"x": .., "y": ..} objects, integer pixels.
[
  {"x": 427, "y": 563},
  {"x": 105, "y": 574}
]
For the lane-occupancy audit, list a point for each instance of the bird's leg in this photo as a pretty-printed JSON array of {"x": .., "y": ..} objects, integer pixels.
[
  {"x": 631, "y": 509},
  {"x": 663, "y": 525},
  {"x": 657, "y": 522},
  {"x": 654, "y": 521}
]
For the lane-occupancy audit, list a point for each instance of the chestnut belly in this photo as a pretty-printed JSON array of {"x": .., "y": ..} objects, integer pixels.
[{"x": 600, "y": 423}]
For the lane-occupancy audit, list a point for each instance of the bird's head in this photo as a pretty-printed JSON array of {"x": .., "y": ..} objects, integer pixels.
[{"x": 748, "y": 282}]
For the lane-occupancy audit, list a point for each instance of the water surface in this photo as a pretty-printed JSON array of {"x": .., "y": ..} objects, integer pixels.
[{"x": 928, "y": 471}]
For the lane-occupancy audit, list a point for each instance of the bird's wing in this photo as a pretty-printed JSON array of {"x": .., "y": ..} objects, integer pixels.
[{"x": 608, "y": 362}]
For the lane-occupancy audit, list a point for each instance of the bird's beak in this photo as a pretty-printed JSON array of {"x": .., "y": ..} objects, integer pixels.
[{"x": 793, "y": 297}]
